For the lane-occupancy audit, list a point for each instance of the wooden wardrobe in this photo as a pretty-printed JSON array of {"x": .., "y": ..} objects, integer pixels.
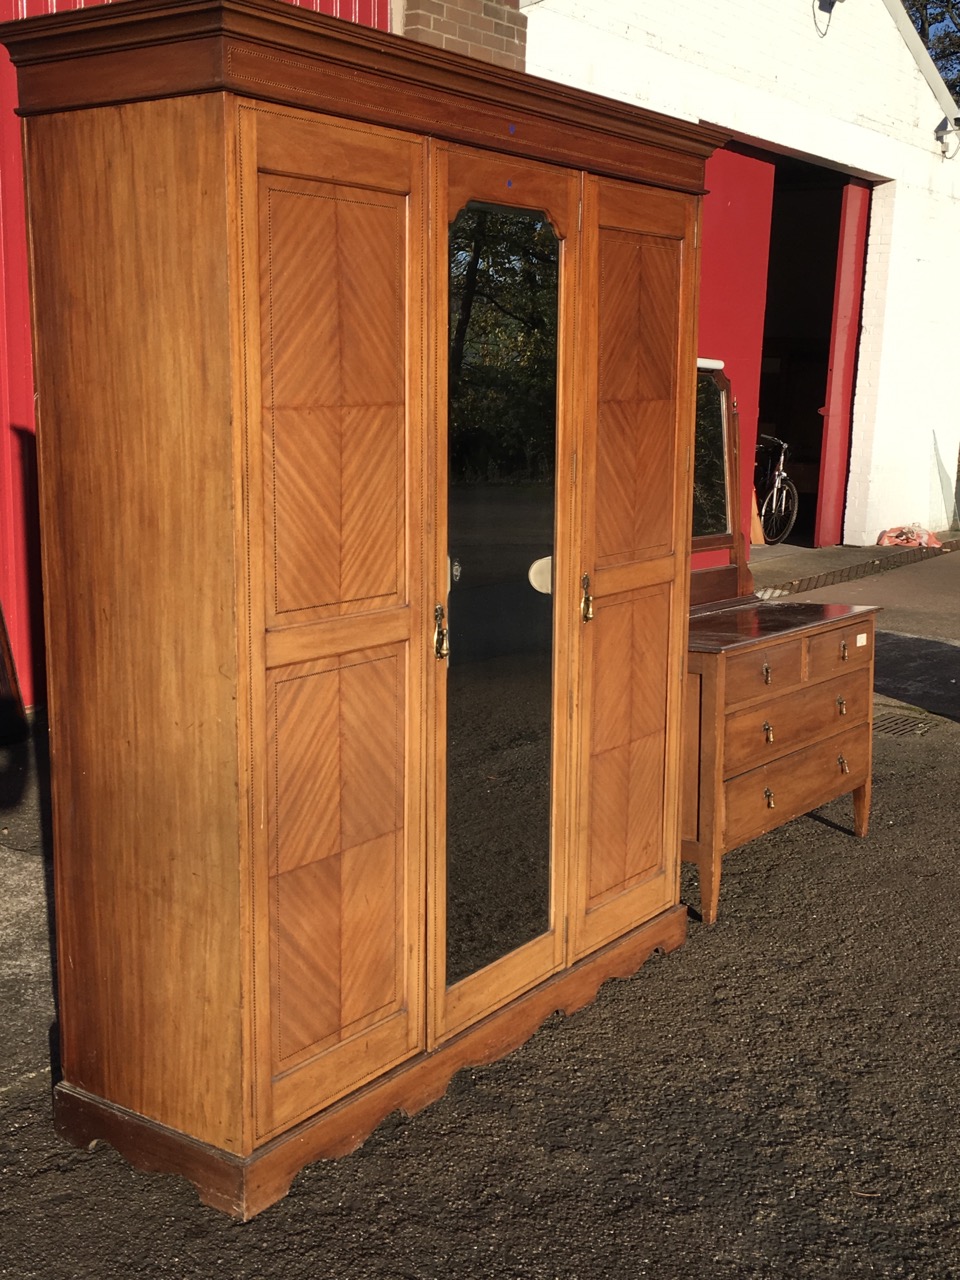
[{"x": 340, "y": 674}]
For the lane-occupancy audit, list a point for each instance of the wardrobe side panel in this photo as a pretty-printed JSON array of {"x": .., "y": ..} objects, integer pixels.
[{"x": 132, "y": 288}]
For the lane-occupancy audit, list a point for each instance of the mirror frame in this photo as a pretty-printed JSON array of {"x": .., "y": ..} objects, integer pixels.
[
  {"x": 730, "y": 428},
  {"x": 730, "y": 580}
]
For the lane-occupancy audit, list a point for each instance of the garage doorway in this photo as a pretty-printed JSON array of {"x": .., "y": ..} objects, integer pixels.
[{"x": 811, "y": 331}]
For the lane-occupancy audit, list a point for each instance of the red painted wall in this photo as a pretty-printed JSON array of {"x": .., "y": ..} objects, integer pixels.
[
  {"x": 20, "y": 592},
  {"x": 734, "y": 248},
  {"x": 20, "y": 587}
]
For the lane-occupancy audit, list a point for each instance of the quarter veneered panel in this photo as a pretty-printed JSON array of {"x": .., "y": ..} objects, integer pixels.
[
  {"x": 372, "y": 474},
  {"x": 626, "y": 805},
  {"x": 371, "y": 287},
  {"x": 627, "y": 768},
  {"x": 621, "y": 272},
  {"x": 336, "y": 823},
  {"x": 306, "y": 774},
  {"x": 613, "y": 645},
  {"x": 336, "y": 766},
  {"x": 630, "y": 669},
  {"x": 644, "y": 842},
  {"x": 616, "y": 477},
  {"x": 301, "y": 337},
  {"x": 647, "y": 691},
  {"x": 333, "y": 383},
  {"x": 609, "y": 809},
  {"x": 656, "y": 354},
  {"x": 636, "y": 412},
  {"x": 303, "y": 453},
  {"x": 306, "y": 946},
  {"x": 652, "y": 471},
  {"x": 371, "y": 904},
  {"x": 371, "y": 746}
]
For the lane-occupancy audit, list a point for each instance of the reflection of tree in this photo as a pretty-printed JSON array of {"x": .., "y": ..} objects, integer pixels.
[
  {"x": 503, "y": 346},
  {"x": 709, "y": 471}
]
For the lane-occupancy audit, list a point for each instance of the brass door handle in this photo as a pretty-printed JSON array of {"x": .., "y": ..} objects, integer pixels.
[
  {"x": 768, "y": 730},
  {"x": 586, "y": 599},
  {"x": 844, "y": 767},
  {"x": 768, "y": 794},
  {"x": 441, "y": 639},
  {"x": 842, "y": 706},
  {"x": 767, "y": 673}
]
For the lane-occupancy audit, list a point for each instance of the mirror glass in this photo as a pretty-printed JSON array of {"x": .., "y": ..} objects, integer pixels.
[
  {"x": 504, "y": 276},
  {"x": 710, "y": 506}
]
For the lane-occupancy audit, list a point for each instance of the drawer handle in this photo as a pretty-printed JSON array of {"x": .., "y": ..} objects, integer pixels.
[
  {"x": 767, "y": 673},
  {"x": 844, "y": 655},
  {"x": 768, "y": 730},
  {"x": 768, "y": 795},
  {"x": 844, "y": 767},
  {"x": 842, "y": 705}
]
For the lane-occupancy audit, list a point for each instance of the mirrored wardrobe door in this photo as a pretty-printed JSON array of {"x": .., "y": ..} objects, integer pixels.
[{"x": 503, "y": 304}]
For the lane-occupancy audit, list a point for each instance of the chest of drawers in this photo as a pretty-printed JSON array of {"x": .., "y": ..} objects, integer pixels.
[{"x": 777, "y": 720}]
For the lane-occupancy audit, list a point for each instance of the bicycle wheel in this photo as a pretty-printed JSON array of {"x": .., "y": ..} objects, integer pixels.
[{"x": 779, "y": 511}]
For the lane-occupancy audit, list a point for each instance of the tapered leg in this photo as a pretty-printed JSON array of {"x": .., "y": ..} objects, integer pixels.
[
  {"x": 861, "y": 808},
  {"x": 709, "y": 871}
]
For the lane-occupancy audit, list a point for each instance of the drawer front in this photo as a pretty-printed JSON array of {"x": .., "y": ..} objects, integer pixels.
[
  {"x": 795, "y": 784},
  {"x": 794, "y": 720},
  {"x": 763, "y": 671},
  {"x": 844, "y": 649}
]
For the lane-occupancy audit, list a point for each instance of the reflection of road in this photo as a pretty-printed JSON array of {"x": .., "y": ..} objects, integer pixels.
[
  {"x": 496, "y": 532},
  {"x": 498, "y": 724},
  {"x": 498, "y": 619},
  {"x": 498, "y": 809}
]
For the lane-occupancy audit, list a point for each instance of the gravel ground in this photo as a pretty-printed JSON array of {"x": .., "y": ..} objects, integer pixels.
[{"x": 778, "y": 1098}]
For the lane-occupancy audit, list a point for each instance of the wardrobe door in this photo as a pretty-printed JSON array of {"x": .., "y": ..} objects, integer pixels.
[
  {"x": 504, "y": 569},
  {"x": 638, "y": 372},
  {"x": 332, "y": 244}
]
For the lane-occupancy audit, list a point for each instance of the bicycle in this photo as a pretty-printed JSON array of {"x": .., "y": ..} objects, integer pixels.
[{"x": 780, "y": 500}]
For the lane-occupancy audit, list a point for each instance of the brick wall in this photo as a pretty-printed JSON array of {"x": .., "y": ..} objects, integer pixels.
[{"x": 491, "y": 30}]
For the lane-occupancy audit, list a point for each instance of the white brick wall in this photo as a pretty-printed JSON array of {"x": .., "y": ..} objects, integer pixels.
[{"x": 843, "y": 90}]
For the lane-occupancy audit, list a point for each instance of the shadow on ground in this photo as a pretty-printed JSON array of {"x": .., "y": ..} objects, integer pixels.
[{"x": 924, "y": 673}]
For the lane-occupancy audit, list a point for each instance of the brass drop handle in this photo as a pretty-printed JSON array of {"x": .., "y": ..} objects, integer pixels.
[
  {"x": 844, "y": 655},
  {"x": 768, "y": 730},
  {"x": 441, "y": 640},
  {"x": 844, "y": 767},
  {"x": 842, "y": 706},
  {"x": 768, "y": 794},
  {"x": 586, "y": 599},
  {"x": 767, "y": 673}
]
